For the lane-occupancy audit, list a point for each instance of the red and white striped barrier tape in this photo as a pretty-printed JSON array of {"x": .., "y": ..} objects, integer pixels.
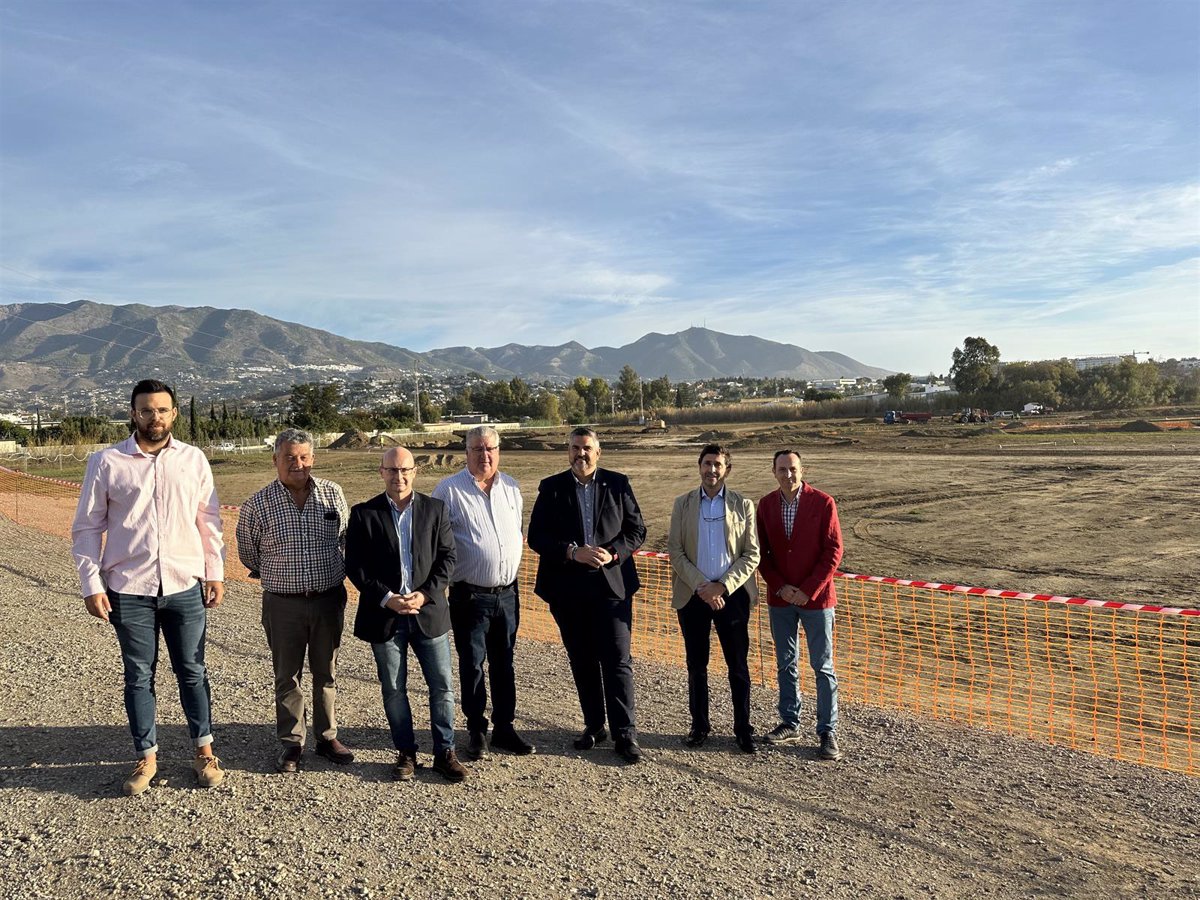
[{"x": 1021, "y": 595}]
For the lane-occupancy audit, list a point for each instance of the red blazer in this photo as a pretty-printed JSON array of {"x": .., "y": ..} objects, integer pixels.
[{"x": 809, "y": 560}]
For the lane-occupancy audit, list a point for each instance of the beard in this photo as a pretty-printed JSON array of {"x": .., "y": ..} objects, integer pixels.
[{"x": 152, "y": 434}]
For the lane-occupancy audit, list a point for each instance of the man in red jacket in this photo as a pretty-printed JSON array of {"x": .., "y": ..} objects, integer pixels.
[{"x": 801, "y": 545}]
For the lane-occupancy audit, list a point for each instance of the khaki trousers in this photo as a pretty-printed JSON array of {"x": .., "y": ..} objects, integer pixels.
[{"x": 297, "y": 625}]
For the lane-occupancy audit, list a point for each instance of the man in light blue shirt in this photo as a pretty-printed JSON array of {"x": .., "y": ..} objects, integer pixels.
[
  {"x": 484, "y": 506},
  {"x": 399, "y": 554},
  {"x": 713, "y": 545}
]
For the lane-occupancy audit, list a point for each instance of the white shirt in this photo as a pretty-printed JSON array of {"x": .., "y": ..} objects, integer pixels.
[{"x": 486, "y": 526}]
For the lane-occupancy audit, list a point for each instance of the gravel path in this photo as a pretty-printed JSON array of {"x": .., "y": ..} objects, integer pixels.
[{"x": 918, "y": 809}]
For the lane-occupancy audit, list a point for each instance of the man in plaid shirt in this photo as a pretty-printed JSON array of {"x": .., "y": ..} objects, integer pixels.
[
  {"x": 292, "y": 535},
  {"x": 801, "y": 545}
]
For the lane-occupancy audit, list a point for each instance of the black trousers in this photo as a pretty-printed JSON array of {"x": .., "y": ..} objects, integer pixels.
[
  {"x": 596, "y": 635},
  {"x": 485, "y": 627},
  {"x": 696, "y": 621}
]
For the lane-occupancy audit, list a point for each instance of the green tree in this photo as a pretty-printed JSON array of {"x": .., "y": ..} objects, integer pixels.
[
  {"x": 430, "y": 411},
  {"x": 657, "y": 393},
  {"x": 973, "y": 368},
  {"x": 521, "y": 397},
  {"x": 88, "y": 430},
  {"x": 12, "y": 432},
  {"x": 314, "y": 406},
  {"x": 460, "y": 403},
  {"x": 897, "y": 385},
  {"x": 574, "y": 406},
  {"x": 193, "y": 431},
  {"x": 629, "y": 388},
  {"x": 598, "y": 395},
  {"x": 685, "y": 395},
  {"x": 547, "y": 408}
]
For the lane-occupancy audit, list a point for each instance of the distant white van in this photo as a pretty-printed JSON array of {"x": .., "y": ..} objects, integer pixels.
[
  {"x": 1004, "y": 414},
  {"x": 226, "y": 447}
]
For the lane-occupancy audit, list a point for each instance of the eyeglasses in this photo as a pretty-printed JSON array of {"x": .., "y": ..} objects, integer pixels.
[
  {"x": 707, "y": 518},
  {"x": 392, "y": 471},
  {"x": 482, "y": 449}
]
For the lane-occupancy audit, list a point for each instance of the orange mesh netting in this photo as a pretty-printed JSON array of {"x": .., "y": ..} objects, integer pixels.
[{"x": 1117, "y": 679}]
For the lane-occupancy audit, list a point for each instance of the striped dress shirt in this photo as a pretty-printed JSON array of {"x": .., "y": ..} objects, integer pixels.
[{"x": 486, "y": 526}]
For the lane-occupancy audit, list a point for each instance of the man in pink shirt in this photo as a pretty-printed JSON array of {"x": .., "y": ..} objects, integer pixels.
[{"x": 161, "y": 569}]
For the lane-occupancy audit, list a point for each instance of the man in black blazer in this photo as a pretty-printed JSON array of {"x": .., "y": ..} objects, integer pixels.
[
  {"x": 399, "y": 554},
  {"x": 585, "y": 527}
]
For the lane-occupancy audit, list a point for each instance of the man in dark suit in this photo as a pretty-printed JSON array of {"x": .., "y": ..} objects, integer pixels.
[
  {"x": 585, "y": 527},
  {"x": 399, "y": 554}
]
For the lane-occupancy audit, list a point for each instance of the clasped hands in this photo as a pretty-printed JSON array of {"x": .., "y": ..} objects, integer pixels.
[
  {"x": 793, "y": 595},
  {"x": 596, "y": 557},
  {"x": 406, "y": 604},
  {"x": 712, "y": 593}
]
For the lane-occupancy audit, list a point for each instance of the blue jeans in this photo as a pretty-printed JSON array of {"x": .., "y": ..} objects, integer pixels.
[
  {"x": 182, "y": 620},
  {"x": 818, "y": 632},
  {"x": 391, "y": 662},
  {"x": 485, "y": 629}
]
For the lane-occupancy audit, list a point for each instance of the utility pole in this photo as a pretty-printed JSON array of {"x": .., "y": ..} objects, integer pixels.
[{"x": 417, "y": 380}]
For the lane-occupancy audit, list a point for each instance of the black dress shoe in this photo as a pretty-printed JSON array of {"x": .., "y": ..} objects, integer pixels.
[
  {"x": 288, "y": 761},
  {"x": 628, "y": 750},
  {"x": 477, "y": 745},
  {"x": 508, "y": 740},
  {"x": 335, "y": 751},
  {"x": 696, "y": 737},
  {"x": 746, "y": 743},
  {"x": 590, "y": 738}
]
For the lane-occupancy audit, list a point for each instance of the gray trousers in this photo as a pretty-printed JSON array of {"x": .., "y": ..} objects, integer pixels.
[{"x": 297, "y": 625}]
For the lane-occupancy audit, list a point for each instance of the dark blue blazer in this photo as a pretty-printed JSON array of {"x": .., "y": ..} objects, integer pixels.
[
  {"x": 373, "y": 565},
  {"x": 555, "y": 524}
]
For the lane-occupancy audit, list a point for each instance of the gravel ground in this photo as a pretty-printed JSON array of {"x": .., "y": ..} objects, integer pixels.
[{"x": 918, "y": 809}]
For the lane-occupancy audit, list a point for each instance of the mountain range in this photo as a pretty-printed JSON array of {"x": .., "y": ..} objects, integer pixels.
[{"x": 81, "y": 345}]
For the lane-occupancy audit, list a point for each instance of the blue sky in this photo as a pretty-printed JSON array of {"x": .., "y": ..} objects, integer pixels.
[{"x": 878, "y": 178}]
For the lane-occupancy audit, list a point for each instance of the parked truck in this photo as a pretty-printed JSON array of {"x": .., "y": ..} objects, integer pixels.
[{"x": 896, "y": 417}]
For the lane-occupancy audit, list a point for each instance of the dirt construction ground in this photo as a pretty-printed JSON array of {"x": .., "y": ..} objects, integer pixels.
[
  {"x": 917, "y": 809},
  {"x": 1109, "y": 515}
]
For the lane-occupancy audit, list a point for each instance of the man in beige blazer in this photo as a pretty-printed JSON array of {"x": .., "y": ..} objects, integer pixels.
[{"x": 713, "y": 545}]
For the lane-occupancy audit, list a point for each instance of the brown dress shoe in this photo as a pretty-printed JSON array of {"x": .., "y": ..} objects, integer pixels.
[
  {"x": 447, "y": 765},
  {"x": 288, "y": 761},
  {"x": 208, "y": 771},
  {"x": 335, "y": 751},
  {"x": 406, "y": 765},
  {"x": 140, "y": 778}
]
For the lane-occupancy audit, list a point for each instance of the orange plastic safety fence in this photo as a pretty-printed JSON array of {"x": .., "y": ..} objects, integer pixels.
[{"x": 1122, "y": 682}]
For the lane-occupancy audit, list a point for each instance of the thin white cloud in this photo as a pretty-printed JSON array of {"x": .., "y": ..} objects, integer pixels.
[{"x": 875, "y": 179}]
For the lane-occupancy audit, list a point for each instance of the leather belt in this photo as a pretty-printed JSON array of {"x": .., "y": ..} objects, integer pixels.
[
  {"x": 480, "y": 589},
  {"x": 304, "y": 594}
]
